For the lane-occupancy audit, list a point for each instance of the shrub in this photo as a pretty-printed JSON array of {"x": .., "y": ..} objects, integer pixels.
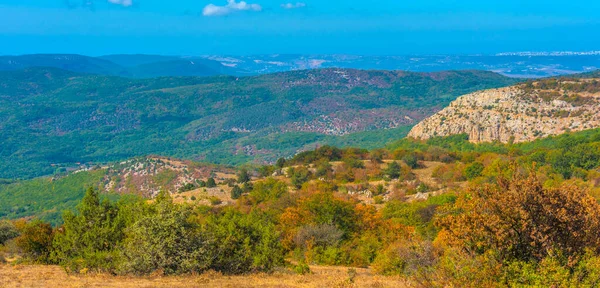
[
  {"x": 299, "y": 176},
  {"x": 244, "y": 242},
  {"x": 320, "y": 235},
  {"x": 210, "y": 183},
  {"x": 302, "y": 268},
  {"x": 243, "y": 176},
  {"x": 521, "y": 220},
  {"x": 236, "y": 192},
  {"x": 407, "y": 258},
  {"x": 8, "y": 231},
  {"x": 36, "y": 240},
  {"x": 411, "y": 161},
  {"x": 187, "y": 187},
  {"x": 214, "y": 200},
  {"x": 268, "y": 190},
  {"x": 393, "y": 170},
  {"x": 473, "y": 170},
  {"x": 280, "y": 163},
  {"x": 164, "y": 240}
]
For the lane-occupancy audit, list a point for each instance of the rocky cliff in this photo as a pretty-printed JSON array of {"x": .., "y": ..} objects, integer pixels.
[{"x": 519, "y": 113}]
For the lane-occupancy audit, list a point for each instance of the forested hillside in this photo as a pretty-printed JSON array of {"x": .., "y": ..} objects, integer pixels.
[{"x": 51, "y": 119}]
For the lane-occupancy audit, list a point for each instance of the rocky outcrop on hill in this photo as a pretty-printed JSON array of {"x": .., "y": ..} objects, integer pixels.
[{"x": 519, "y": 113}]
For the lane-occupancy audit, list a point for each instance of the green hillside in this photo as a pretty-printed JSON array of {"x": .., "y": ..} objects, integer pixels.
[
  {"x": 45, "y": 198},
  {"x": 50, "y": 116}
]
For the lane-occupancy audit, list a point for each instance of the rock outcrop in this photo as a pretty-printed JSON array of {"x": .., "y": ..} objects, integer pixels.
[{"x": 518, "y": 113}]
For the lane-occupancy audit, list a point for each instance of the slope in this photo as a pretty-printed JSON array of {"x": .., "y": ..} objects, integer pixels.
[
  {"x": 520, "y": 113},
  {"x": 50, "y": 116}
]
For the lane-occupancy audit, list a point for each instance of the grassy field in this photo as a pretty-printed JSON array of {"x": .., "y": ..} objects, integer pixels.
[{"x": 55, "y": 276}]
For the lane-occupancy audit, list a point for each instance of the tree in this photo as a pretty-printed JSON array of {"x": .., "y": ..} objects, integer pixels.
[
  {"x": 280, "y": 163},
  {"x": 210, "y": 183},
  {"x": 473, "y": 170},
  {"x": 268, "y": 190},
  {"x": 36, "y": 240},
  {"x": 91, "y": 235},
  {"x": 244, "y": 242},
  {"x": 299, "y": 176},
  {"x": 411, "y": 161},
  {"x": 8, "y": 231},
  {"x": 393, "y": 170},
  {"x": 164, "y": 240},
  {"x": 243, "y": 176},
  {"x": 323, "y": 169},
  {"x": 376, "y": 156},
  {"x": 236, "y": 192}
]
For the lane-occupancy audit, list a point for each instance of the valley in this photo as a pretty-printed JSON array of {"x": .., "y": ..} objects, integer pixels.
[
  {"x": 342, "y": 144},
  {"x": 51, "y": 119},
  {"x": 297, "y": 179}
]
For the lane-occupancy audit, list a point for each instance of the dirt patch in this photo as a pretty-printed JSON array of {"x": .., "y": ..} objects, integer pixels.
[{"x": 54, "y": 276}]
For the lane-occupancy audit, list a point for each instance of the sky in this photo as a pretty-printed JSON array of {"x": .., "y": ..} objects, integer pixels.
[{"x": 360, "y": 27}]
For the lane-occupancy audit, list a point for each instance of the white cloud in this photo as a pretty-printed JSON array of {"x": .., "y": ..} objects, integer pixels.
[
  {"x": 125, "y": 3},
  {"x": 232, "y": 6},
  {"x": 293, "y": 6}
]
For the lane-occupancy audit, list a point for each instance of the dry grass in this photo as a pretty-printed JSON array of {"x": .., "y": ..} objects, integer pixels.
[{"x": 54, "y": 276}]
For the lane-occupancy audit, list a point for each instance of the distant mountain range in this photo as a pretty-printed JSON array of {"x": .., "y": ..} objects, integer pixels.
[
  {"x": 51, "y": 119},
  {"x": 520, "y": 64},
  {"x": 133, "y": 66}
]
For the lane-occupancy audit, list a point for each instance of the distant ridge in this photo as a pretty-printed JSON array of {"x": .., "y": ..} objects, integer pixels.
[
  {"x": 69, "y": 62},
  {"x": 133, "y": 66}
]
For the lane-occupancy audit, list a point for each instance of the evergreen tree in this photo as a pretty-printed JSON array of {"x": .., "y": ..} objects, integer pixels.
[
  {"x": 243, "y": 176},
  {"x": 393, "y": 170},
  {"x": 210, "y": 183},
  {"x": 236, "y": 192},
  {"x": 87, "y": 239}
]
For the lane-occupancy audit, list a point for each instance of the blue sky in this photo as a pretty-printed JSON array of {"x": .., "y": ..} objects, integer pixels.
[{"x": 374, "y": 27}]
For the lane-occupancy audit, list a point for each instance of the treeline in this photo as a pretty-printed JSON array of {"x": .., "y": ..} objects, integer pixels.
[{"x": 136, "y": 237}]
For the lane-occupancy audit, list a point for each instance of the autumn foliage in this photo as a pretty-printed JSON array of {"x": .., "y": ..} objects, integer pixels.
[{"x": 522, "y": 220}]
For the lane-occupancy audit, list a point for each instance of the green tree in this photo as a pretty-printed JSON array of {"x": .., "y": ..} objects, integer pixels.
[
  {"x": 164, "y": 240},
  {"x": 299, "y": 176},
  {"x": 8, "y": 231},
  {"x": 243, "y": 176},
  {"x": 244, "y": 242},
  {"x": 210, "y": 183},
  {"x": 236, "y": 192},
  {"x": 268, "y": 190},
  {"x": 473, "y": 170},
  {"x": 88, "y": 239},
  {"x": 393, "y": 170},
  {"x": 411, "y": 161},
  {"x": 280, "y": 163},
  {"x": 323, "y": 169}
]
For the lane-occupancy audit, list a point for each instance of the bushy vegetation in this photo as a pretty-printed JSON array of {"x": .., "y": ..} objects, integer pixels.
[{"x": 492, "y": 215}]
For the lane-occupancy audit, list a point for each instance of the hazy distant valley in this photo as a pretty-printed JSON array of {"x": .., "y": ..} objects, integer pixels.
[{"x": 524, "y": 64}]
